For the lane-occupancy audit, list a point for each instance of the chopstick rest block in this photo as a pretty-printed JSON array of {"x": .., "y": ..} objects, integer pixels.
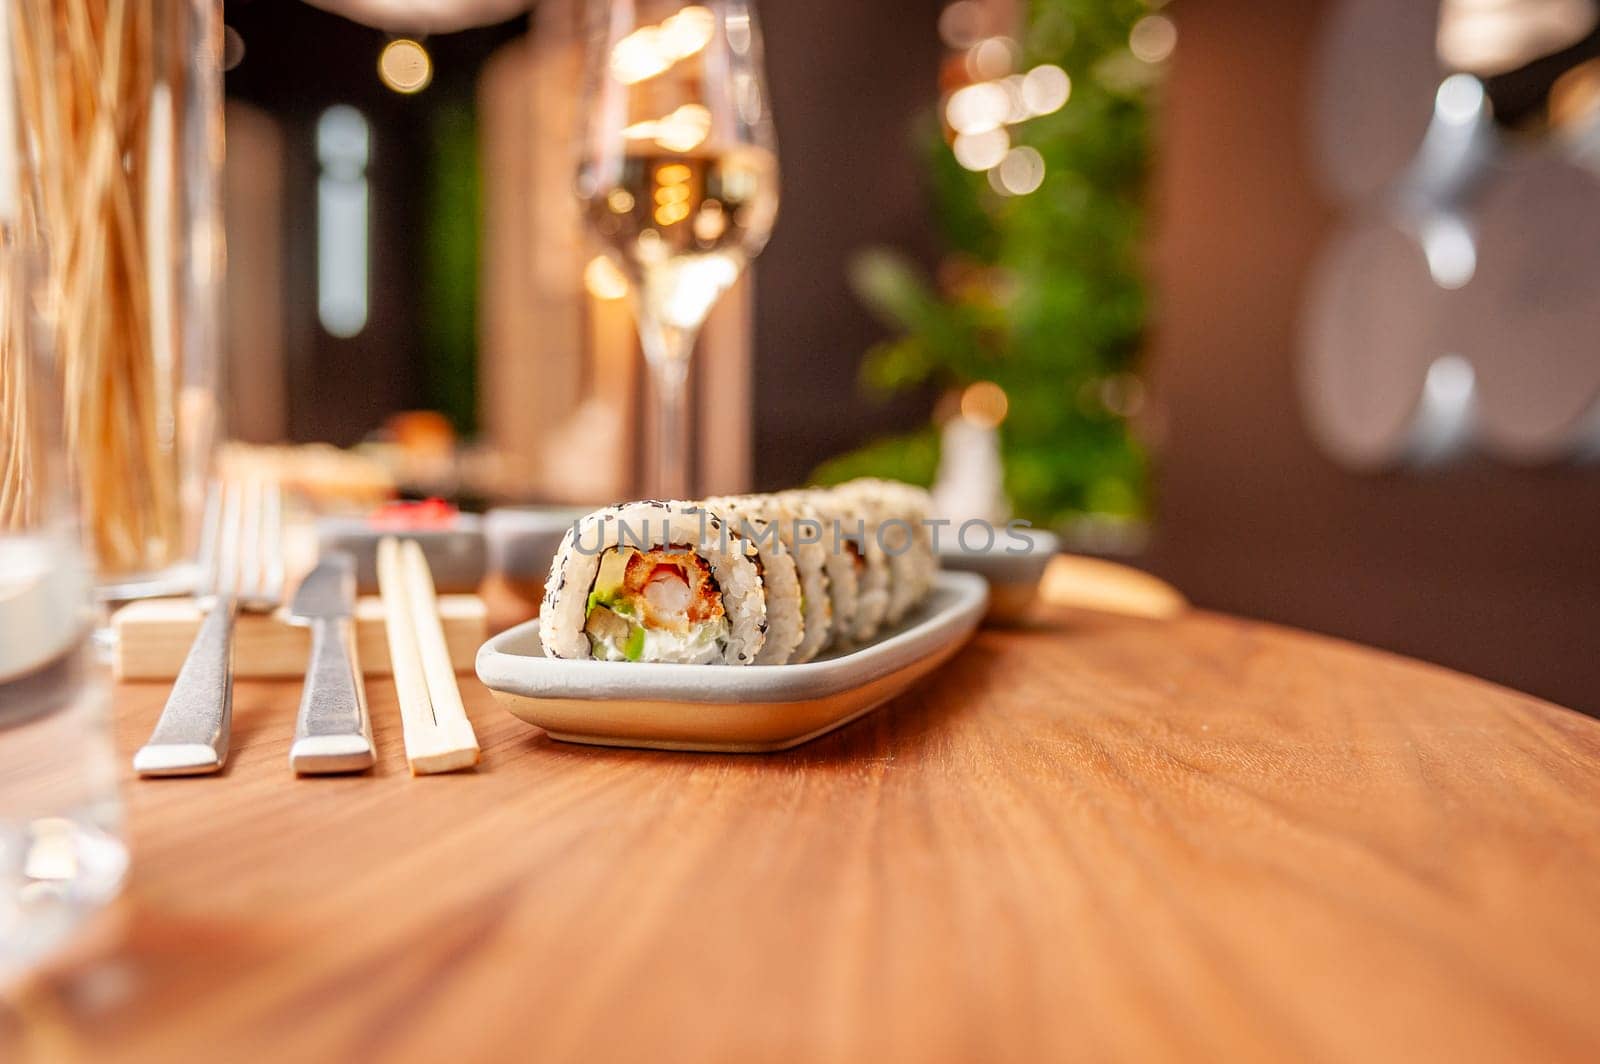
[{"x": 153, "y": 636}]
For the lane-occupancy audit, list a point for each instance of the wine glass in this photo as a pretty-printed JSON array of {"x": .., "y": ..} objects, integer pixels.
[{"x": 678, "y": 179}]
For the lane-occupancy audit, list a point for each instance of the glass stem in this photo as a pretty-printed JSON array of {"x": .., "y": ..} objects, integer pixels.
[{"x": 667, "y": 349}]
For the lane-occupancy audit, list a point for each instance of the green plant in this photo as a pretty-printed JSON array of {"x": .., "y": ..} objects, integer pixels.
[{"x": 1041, "y": 293}]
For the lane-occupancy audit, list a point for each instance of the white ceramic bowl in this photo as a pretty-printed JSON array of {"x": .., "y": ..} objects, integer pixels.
[{"x": 1013, "y": 565}]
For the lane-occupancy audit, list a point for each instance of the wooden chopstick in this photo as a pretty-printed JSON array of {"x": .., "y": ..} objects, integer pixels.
[{"x": 438, "y": 735}]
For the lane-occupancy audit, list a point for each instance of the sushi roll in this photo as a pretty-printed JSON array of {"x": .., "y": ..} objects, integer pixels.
[
  {"x": 851, "y": 536},
  {"x": 757, "y": 520},
  {"x": 655, "y": 581}
]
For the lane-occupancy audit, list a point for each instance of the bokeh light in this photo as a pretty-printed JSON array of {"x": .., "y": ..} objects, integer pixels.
[
  {"x": 1575, "y": 97},
  {"x": 1451, "y": 250},
  {"x": 711, "y": 222},
  {"x": 1017, "y": 109},
  {"x": 638, "y": 56},
  {"x": 1460, "y": 99},
  {"x": 687, "y": 32},
  {"x": 1020, "y": 172},
  {"x": 980, "y": 151},
  {"x": 1153, "y": 38},
  {"x": 992, "y": 58},
  {"x": 603, "y": 280},
  {"x": 682, "y": 130},
  {"x": 977, "y": 108},
  {"x": 1046, "y": 89},
  {"x": 650, "y": 50},
  {"x": 232, "y": 48},
  {"x": 961, "y": 25},
  {"x": 984, "y": 404},
  {"x": 404, "y": 66},
  {"x": 1489, "y": 37},
  {"x": 672, "y": 193}
]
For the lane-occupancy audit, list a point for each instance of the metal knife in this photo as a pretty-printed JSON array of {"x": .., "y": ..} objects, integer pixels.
[{"x": 333, "y": 732}]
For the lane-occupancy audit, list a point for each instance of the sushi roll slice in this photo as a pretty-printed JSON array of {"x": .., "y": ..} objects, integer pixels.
[
  {"x": 655, "y": 581},
  {"x": 756, "y": 519},
  {"x": 899, "y": 517},
  {"x": 851, "y": 535},
  {"x": 837, "y": 576},
  {"x": 914, "y": 505},
  {"x": 800, "y": 531}
]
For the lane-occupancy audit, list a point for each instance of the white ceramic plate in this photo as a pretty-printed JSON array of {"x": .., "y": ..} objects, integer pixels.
[{"x": 724, "y": 708}]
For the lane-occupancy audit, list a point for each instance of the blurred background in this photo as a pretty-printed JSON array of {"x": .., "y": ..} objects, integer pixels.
[{"x": 1295, "y": 305}]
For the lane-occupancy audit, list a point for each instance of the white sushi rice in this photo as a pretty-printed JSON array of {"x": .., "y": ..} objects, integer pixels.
[
  {"x": 752, "y": 516},
  {"x": 898, "y": 518},
  {"x": 851, "y": 535},
  {"x": 839, "y": 574},
  {"x": 802, "y": 530}
]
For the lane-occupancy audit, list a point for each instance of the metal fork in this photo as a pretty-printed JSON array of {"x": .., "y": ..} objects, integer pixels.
[{"x": 241, "y": 567}]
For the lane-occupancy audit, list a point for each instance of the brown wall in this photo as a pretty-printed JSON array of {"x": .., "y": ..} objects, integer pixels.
[
  {"x": 1482, "y": 567},
  {"x": 848, "y": 80}
]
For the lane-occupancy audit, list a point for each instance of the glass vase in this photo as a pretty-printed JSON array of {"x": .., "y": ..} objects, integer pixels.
[
  {"x": 62, "y": 855},
  {"x": 120, "y": 103}
]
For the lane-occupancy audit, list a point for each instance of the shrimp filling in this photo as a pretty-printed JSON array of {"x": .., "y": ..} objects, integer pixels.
[{"x": 660, "y": 605}]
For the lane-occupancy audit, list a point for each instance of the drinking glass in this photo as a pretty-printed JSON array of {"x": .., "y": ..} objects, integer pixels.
[
  {"x": 61, "y": 852},
  {"x": 678, "y": 179}
]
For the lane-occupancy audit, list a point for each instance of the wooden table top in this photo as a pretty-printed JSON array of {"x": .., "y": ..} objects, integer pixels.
[{"x": 1096, "y": 837}]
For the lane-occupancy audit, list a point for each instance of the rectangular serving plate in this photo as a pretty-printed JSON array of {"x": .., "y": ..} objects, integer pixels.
[{"x": 726, "y": 708}]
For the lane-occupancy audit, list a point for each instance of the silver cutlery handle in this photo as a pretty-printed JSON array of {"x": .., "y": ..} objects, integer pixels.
[
  {"x": 191, "y": 738},
  {"x": 333, "y": 732}
]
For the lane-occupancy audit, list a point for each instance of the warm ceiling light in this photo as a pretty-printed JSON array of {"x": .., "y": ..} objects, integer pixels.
[
  {"x": 1487, "y": 37},
  {"x": 1575, "y": 97},
  {"x": 404, "y": 66}
]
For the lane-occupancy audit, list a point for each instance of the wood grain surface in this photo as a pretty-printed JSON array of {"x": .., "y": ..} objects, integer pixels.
[{"x": 1095, "y": 838}]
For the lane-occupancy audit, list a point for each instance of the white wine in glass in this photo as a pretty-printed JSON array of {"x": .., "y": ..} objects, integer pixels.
[{"x": 678, "y": 179}]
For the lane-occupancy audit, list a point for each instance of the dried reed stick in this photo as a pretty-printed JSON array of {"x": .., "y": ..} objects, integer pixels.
[
  {"x": 19, "y": 476},
  {"x": 97, "y": 83}
]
